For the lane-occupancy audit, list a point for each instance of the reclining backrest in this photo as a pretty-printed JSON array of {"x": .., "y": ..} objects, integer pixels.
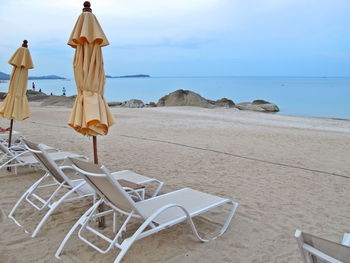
[
  {"x": 48, "y": 164},
  {"x": 102, "y": 182}
]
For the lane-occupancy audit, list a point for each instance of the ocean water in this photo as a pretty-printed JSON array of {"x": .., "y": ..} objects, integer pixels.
[{"x": 301, "y": 96}]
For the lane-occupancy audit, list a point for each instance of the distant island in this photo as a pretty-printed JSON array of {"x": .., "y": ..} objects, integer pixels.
[
  {"x": 4, "y": 76},
  {"x": 128, "y": 76},
  {"x": 47, "y": 77}
]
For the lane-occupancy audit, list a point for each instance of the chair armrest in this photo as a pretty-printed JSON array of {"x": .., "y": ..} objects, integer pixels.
[
  {"x": 128, "y": 189},
  {"x": 49, "y": 148},
  {"x": 66, "y": 167},
  {"x": 71, "y": 175}
]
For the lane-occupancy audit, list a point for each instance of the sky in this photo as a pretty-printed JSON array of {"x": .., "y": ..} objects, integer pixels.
[{"x": 187, "y": 37}]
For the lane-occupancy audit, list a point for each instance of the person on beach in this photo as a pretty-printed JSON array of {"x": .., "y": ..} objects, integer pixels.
[
  {"x": 64, "y": 91},
  {"x": 33, "y": 86}
]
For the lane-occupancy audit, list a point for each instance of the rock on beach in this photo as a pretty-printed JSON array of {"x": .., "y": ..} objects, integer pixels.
[
  {"x": 258, "y": 105},
  {"x": 177, "y": 98},
  {"x": 184, "y": 98}
]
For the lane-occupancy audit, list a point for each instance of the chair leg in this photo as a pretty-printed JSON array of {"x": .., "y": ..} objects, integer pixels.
[
  {"x": 222, "y": 230},
  {"x": 346, "y": 239},
  {"x": 160, "y": 185},
  {"x": 25, "y": 194},
  {"x": 53, "y": 208},
  {"x": 128, "y": 242},
  {"x": 10, "y": 215},
  {"x": 123, "y": 251},
  {"x": 229, "y": 218},
  {"x": 79, "y": 222},
  {"x": 114, "y": 222},
  {"x": 43, "y": 220}
]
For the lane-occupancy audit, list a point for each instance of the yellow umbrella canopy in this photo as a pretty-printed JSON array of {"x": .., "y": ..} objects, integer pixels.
[
  {"x": 90, "y": 114},
  {"x": 15, "y": 106}
]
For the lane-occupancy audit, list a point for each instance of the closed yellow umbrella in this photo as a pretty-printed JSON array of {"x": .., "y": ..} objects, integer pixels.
[
  {"x": 16, "y": 106},
  {"x": 90, "y": 114}
]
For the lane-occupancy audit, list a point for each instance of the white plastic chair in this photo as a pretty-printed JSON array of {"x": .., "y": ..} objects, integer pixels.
[
  {"x": 156, "y": 213},
  {"x": 315, "y": 249}
]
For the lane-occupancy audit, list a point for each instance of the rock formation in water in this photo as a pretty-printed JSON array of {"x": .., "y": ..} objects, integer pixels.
[
  {"x": 114, "y": 103},
  {"x": 176, "y": 98},
  {"x": 258, "y": 105},
  {"x": 224, "y": 102},
  {"x": 184, "y": 98},
  {"x": 133, "y": 104}
]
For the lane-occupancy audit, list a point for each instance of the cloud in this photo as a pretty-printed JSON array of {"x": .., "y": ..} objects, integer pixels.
[
  {"x": 172, "y": 30},
  {"x": 125, "y": 22}
]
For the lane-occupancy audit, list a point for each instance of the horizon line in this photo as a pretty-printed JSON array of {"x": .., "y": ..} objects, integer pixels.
[
  {"x": 206, "y": 76},
  {"x": 248, "y": 76}
]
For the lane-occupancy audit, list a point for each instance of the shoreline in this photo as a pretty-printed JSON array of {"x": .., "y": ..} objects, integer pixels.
[
  {"x": 36, "y": 103},
  {"x": 65, "y": 102},
  {"x": 229, "y": 115},
  {"x": 293, "y": 96},
  {"x": 314, "y": 117}
]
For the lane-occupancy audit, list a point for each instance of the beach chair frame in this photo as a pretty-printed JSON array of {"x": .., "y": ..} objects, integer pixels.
[
  {"x": 76, "y": 189},
  {"x": 13, "y": 156},
  {"x": 9, "y": 156},
  {"x": 60, "y": 182},
  {"x": 133, "y": 212},
  {"x": 346, "y": 239},
  {"x": 312, "y": 254}
]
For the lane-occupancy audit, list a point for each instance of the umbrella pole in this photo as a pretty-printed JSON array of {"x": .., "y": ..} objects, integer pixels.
[
  {"x": 101, "y": 220},
  {"x": 10, "y": 133},
  {"x": 94, "y": 142},
  {"x": 10, "y": 138}
]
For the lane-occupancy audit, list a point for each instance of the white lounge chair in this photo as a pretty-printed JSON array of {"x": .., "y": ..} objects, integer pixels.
[
  {"x": 157, "y": 213},
  {"x": 15, "y": 149},
  {"x": 74, "y": 189},
  {"x": 18, "y": 156},
  {"x": 16, "y": 142},
  {"x": 315, "y": 249}
]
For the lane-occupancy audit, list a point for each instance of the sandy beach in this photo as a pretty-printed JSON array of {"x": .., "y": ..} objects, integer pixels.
[{"x": 286, "y": 173}]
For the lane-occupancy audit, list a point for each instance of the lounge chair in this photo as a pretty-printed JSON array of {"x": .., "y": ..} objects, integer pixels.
[
  {"x": 156, "y": 213},
  {"x": 18, "y": 156},
  {"x": 14, "y": 143},
  {"x": 315, "y": 249},
  {"x": 346, "y": 239},
  {"x": 14, "y": 149},
  {"x": 76, "y": 189}
]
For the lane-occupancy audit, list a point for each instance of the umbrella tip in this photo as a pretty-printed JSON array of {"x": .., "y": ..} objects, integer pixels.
[
  {"x": 87, "y": 6},
  {"x": 25, "y": 43}
]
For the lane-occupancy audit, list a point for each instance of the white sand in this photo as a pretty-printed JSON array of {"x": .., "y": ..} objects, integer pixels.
[{"x": 199, "y": 148}]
